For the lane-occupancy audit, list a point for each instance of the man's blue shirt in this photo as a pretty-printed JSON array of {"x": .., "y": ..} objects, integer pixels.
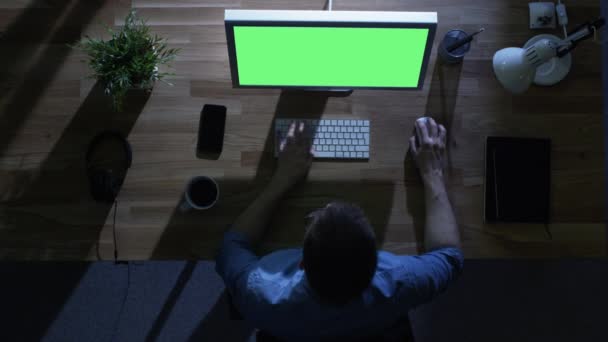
[{"x": 273, "y": 294}]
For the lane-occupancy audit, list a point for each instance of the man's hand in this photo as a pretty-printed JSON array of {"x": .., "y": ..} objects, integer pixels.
[
  {"x": 295, "y": 156},
  {"x": 428, "y": 148}
]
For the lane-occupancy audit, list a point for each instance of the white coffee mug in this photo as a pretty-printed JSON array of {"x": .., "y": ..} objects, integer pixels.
[{"x": 201, "y": 193}]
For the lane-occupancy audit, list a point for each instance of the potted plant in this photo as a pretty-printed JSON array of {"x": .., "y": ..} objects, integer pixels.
[{"x": 129, "y": 60}]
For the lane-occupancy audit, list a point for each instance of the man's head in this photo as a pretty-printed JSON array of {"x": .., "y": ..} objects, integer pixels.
[{"x": 339, "y": 255}]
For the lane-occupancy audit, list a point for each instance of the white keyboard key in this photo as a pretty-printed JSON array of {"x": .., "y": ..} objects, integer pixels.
[
  {"x": 339, "y": 154},
  {"x": 359, "y": 155},
  {"x": 339, "y": 148},
  {"x": 322, "y": 142},
  {"x": 351, "y": 148},
  {"x": 330, "y": 129},
  {"x": 361, "y": 142},
  {"x": 347, "y": 135},
  {"x": 318, "y": 148},
  {"x": 332, "y": 148},
  {"x": 366, "y": 123},
  {"x": 365, "y": 154},
  {"x": 365, "y": 129},
  {"x": 325, "y": 148},
  {"x": 334, "y": 141},
  {"x": 325, "y": 154},
  {"x": 334, "y": 122},
  {"x": 324, "y": 129},
  {"x": 348, "y": 142},
  {"x": 324, "y": 122},
  {"x": 341, "y": 141},
  {"x": 349, "y": 129},
  {"x": 359, "y": 136},
  {"x": 315, "y": 142},
  {"x": 356, "y": 128},
  {"x": 362, "y": 148},
  {"x": 340, "y": 122},
  {"x": 334, "y": 135},
  {"x": 340, "y": 135}
]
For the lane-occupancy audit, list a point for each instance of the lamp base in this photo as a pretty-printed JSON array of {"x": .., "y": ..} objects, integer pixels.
[{"x": 555, "y": 69}]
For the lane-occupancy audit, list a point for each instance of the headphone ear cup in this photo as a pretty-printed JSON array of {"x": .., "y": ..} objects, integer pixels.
[
  {"x": 96, "y": 183},
  {"x": 115, "y": 182},
  {"x": 102, "y": 185},
  {"x": 109, "y": 193}
]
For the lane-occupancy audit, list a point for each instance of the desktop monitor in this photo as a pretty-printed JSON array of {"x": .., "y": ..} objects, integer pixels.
[{"x": 328, "y": 50}]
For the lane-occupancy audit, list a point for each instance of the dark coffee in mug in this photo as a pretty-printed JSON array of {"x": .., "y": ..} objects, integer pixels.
[{"x": 202, "y": 192}]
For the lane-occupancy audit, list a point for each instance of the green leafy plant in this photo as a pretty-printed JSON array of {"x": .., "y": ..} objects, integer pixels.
[{"x": 129, "y": 60}]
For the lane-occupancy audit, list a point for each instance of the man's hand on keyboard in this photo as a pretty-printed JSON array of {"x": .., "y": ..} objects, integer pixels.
[
  {"x": 295, "y": 156},
  {"x": 428, "y": 148}
]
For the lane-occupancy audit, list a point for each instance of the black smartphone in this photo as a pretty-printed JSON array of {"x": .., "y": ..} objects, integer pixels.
[{"x": 211, "y": 130}]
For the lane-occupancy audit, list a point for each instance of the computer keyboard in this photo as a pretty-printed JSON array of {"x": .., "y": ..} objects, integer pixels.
[{"x": 333, "y": 138}]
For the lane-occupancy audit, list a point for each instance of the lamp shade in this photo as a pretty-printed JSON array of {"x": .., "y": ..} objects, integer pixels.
[{"x": 512, "y": 69}]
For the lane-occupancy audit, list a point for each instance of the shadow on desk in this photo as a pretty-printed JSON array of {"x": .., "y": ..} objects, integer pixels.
[
  {"x": 49, "y": 210},
  {"x": 198, "y": 234},
  {"x": 187, "y": 234},
  {"x": 441, "y": 101},
  {"x": 21, "y": 40}
]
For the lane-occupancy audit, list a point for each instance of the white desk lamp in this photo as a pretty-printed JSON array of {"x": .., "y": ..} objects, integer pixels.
[{"x": 544, "y": 60}]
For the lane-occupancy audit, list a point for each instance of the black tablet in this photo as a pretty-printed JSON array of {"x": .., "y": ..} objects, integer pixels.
[{"x": 517, "y": 180}]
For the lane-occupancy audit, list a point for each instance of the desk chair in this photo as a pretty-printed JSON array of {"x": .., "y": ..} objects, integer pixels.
[{"x": 262, "y": 336}]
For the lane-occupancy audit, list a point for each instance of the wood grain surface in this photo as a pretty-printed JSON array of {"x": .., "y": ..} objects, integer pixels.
[{"x": 50, "y": 110}]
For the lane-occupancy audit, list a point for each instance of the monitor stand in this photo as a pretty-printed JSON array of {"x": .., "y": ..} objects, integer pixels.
[{"x": 331, "y": 92}]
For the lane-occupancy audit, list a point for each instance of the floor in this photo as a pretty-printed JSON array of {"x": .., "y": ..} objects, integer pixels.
[{"x": 494, "y": 300}]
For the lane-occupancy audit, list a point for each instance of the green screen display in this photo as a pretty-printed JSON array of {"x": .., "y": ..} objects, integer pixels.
[{"x": 329, "y": 56}]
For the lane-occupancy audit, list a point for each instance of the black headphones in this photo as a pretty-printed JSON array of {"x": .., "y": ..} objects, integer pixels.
[{"x": 104, "y": 182}]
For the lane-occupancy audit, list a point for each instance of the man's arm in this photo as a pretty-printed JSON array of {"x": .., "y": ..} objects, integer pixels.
[
  {"x": 253, "y": 221},
  {"x": 428, "y": 147},
  {"x": 294, "y": 162}
]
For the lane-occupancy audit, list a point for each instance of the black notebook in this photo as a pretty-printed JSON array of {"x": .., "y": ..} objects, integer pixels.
[{"x": 517, "y": 182}]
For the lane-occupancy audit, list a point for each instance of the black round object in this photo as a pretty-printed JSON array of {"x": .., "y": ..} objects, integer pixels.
[
  {"x": 203, "y": 192},
  {"x": 105, "y": 182}
]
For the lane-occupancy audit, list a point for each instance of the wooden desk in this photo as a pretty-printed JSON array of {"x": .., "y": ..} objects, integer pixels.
[{"x": 50, "y": 111}]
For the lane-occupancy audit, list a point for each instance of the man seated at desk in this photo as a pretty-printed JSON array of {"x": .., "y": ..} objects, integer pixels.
[{"x": 339, "y": 287}]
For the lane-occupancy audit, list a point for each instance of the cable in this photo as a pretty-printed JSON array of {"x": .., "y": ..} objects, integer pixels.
[
  {"x": 122, "y": 304},
  {"x": 116, "y": 262},
  {"x": 562, "y": 16},
  {"x": 548, "y": 231},
  {"x": 330, "y": 5},
  {"x": 97, "y": 251},
  {"x": 114, "y": 232}
]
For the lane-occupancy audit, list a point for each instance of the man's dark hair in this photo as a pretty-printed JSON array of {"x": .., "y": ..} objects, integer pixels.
[{"x": 339, "y": 254}]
